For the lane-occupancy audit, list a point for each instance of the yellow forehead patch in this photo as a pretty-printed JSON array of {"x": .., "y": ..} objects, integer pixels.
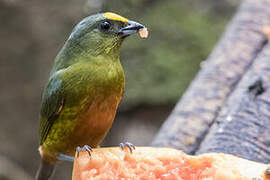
[{"x": 115, "y": 17}]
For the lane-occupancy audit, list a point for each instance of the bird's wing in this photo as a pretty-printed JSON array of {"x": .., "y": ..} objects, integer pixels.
[{"x": 52, "y": 104}]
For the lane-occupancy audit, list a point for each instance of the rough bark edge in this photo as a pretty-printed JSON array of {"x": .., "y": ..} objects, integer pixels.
[
  {"x": 243, "y": 126},
  {"x": 243, "y": 40}
]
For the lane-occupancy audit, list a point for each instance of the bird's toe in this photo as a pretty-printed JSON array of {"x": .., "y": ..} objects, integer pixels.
[
  {"x": 128, "y": 145},
  {"x": 84, "y": 148}
]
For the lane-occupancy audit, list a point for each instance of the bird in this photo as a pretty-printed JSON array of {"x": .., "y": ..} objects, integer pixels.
[{"x": 85, "y": 86}]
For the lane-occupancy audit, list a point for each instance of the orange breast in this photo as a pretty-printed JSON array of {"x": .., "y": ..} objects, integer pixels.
[{"x": 94, "y": 123}]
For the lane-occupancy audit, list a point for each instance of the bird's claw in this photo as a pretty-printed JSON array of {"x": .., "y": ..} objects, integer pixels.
[
  {"x": 128, "y": 145},
  {"x": 84, "y": 148}
]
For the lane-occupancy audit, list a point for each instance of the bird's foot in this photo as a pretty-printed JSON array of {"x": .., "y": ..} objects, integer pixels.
[
  {"x": 84, "y": 148},
  {"x": 128, "y": 145},
  {"x": 63, "y": 157}
]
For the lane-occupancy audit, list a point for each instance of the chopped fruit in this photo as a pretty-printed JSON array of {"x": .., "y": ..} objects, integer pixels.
[
  {"x": 266, "y": 31},
  {"x": 143, "y": 33},
  {"x": 147, "y": 163}
]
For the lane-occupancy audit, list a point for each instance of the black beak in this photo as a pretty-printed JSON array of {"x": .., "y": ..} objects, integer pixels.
[{"x": 131, "y": 28}]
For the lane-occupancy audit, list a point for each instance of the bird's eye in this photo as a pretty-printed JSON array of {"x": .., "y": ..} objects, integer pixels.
[{"x": 105, "y": 26}]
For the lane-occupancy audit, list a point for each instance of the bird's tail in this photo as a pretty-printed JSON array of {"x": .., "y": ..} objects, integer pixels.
[{"x": 45, "y": 170}]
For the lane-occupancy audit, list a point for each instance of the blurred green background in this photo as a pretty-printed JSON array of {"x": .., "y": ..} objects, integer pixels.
[{"x": 158, "y": 69}]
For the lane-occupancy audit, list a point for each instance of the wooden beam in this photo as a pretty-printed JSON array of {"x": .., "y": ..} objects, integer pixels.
[{"x": 199, "y": 107}]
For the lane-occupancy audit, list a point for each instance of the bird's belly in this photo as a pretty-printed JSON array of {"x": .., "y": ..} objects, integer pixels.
[{"x": 94, "y": 123}]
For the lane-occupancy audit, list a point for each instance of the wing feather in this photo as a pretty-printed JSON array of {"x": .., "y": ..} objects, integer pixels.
[{"x": 52, "y": 104}]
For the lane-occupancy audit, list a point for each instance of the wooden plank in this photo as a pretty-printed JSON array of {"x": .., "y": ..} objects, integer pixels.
[
  {"x": 195, "y": 113},
  {"x": 243, "y": 126}
]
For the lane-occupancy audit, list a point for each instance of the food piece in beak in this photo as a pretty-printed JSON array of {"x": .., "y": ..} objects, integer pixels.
[
  {"x": 143, "y": 32},
  {"x": 131, "y": 28}
]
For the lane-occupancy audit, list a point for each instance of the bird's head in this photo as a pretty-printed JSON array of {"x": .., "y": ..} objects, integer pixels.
[{"x": 102, "y": 33}]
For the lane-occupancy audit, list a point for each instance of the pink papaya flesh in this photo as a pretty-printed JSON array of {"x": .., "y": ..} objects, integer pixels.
[{"x": 147, "y": 163}]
